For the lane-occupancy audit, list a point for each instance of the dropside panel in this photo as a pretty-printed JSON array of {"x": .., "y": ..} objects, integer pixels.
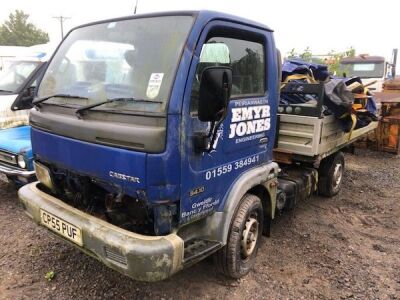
[{"x": 299, "y": 134}]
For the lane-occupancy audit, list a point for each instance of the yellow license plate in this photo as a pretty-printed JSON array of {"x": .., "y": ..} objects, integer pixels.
[{"x": 64, "y": 228}]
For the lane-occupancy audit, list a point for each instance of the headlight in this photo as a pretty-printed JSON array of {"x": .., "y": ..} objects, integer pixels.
[
  {"x": 43, "y": 175},
  {"x": 21, "y": 161}
]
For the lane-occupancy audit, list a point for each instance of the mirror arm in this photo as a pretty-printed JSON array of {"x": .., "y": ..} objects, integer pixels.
[
  {"x": 210, "y": 133},
  {"x": 200, "y": 139},
  {"x": 214, "y": 136}
]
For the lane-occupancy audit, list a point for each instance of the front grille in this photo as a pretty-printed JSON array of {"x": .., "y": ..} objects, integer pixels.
[
  {"x": 115, "y": 256},
  {"x": 8, "y": 158}
]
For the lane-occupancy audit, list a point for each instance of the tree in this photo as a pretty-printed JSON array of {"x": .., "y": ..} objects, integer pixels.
[
  {"x": 335, "y": 58},
  {"x": 17, "y": 31},
  {"x": 306, "y": 55},
  {"x": 332, "y": 59},
  {"x": 292, "y": 53}
]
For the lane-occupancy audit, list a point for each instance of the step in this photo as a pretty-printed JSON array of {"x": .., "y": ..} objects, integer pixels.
[{"x": 197, "y": 249}]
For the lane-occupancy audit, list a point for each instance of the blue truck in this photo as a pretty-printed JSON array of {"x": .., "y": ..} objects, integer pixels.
[
  {"x": 163, "y": 129},
  {"x": 17, "y": 86}
]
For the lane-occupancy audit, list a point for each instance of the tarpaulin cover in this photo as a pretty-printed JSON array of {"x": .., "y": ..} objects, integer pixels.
[
  {"x": 298, "y": 66},
  {"x": 337, "y": 98},
  {"x": 371, "y": 102}
]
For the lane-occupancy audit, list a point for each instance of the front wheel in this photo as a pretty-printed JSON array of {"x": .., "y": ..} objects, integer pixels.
[{"x": 237, "y": 257}]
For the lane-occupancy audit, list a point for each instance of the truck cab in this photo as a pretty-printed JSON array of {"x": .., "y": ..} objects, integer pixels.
[
  {"x": 156, "y": 137},
  {"x": 373, "y": 70}
]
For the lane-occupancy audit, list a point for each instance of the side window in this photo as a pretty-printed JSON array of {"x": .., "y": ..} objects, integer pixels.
[
  {"x": 245, "y": 57},
  {"x": 248, "y": 66}
]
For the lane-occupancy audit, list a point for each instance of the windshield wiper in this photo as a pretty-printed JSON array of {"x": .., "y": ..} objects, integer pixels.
[
  {"x": 79, "y": 111},
  {"x": 6, "y": 91},
  {"x": 40, "y": 100}
]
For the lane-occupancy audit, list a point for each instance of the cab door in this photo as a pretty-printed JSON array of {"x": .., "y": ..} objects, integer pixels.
[{"x": 245, "y": 137}]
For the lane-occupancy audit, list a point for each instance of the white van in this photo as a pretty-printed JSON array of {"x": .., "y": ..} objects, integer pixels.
[
  {"x": 18, "y": 79},
  {"x": 9, "y": 53}
]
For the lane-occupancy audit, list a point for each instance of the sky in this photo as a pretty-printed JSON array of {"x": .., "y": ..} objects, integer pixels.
[{"x": 371, "y": 26}]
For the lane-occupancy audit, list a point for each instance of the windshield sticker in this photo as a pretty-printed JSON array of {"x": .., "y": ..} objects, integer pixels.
[{"x": 154, "y": 85}]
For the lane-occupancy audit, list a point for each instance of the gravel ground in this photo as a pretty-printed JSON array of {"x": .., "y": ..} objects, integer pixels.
[{"x": 344, "y": 247}]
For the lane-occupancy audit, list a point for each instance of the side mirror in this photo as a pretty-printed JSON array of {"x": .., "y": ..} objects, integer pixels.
[
  {"x": 214, "y": 93},
  {"x": 26, "y": 95},
  {"x": 24, "y": 99}
]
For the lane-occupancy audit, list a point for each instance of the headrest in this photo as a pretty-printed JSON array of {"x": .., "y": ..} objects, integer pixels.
[
  {"x": 130, "y": 57},
  {"x": 215, "y": 53}
]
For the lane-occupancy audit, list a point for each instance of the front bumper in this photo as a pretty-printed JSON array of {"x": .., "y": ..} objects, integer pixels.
[
  {"x": 144, "y": 258},
  {"x": 13, "y": 171}
]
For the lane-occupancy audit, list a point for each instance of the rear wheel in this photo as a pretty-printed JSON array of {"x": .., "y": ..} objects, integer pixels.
[
  {"x": 331, "y": 172},
  {"x": 237, "y": 257}
]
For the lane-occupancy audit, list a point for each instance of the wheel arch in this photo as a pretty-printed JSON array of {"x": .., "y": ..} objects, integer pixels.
[
  {"x": 267, "y": 194},
  {"x": 260, "y": 181}
]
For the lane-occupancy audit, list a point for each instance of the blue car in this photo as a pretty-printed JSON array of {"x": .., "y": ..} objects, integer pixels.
[{"x": 16, "y": 155}]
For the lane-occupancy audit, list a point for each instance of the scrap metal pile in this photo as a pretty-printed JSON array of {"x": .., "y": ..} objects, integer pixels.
[{"x": 388, "y": 134}]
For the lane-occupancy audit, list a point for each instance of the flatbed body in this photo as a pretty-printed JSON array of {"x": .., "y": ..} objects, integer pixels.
[
  {"x": 305, "y": 133},
  {"x": 312, "y": 137}
]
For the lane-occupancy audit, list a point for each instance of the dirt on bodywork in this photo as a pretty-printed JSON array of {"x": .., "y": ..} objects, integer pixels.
[{"x": 344, "y": 247}]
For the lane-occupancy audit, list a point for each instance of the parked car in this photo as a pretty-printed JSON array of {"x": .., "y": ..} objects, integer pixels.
[{"x": 16, "y": 155}]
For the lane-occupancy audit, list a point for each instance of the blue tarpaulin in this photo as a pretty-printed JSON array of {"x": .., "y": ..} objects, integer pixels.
[{"x": 297, "y": 66}]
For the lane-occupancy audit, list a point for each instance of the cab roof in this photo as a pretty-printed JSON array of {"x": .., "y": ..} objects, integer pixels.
[
  {"x": 362, "y": 59},
  {"x": 203, "y": 16}
]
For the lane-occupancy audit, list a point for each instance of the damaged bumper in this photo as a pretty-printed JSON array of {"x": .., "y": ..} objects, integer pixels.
[{"x": 144, "y": 258}]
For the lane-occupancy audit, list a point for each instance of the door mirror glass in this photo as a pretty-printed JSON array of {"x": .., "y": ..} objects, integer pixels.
[{"x": 214, "y": 93}]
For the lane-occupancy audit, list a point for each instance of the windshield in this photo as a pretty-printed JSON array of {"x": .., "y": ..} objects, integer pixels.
[
  {"x": 364, "y": 70},
  {"x": 130, "y": 58},
  {"x": 14, "y": 76}
]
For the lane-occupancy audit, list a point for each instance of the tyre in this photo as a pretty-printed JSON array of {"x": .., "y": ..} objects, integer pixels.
[
  {"x": 237, "y": 257},
  {"x": 330, "y": 176}
]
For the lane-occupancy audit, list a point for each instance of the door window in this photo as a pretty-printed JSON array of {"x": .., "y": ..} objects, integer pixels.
[
  {"x": 248, "y": 66},
  {"x": 245, "y": 57}
]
